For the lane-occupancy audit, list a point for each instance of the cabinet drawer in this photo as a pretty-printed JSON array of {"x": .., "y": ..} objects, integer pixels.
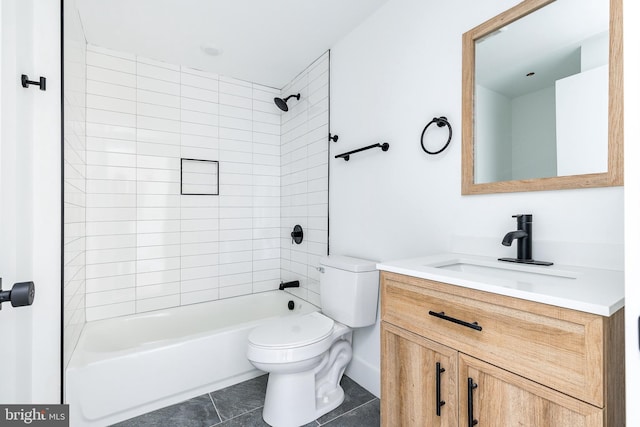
[{"x": 554, "y": 346}]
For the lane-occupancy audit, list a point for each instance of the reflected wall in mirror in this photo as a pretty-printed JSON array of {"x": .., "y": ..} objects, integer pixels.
[{"x": 542, "y": 98}]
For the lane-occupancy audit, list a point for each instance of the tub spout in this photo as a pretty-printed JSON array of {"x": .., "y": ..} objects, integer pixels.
[{"x": 292, "y": 284}]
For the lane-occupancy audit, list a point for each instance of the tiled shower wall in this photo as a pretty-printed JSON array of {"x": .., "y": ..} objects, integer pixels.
[
  {"x": 75, "y": 64},
  {"x": 305, "y": 177},
  {"x": 148, "y": 247}
]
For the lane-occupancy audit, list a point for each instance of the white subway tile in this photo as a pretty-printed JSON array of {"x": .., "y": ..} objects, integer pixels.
[
  {"x": 192, "y": 261},
  {"x": 158, "y": 175},
  {"x": 111, "y": 173},
  {"x": 111, "y": 104},
  {"x": 110, "y": 214},
  {"x": 161, "y": 86},
  {"x": 199, "y": 93},
  {"x": 111, "y": 131},
  {"x": 236, "y": 246},
  {"x": 189, "y": 104},
  {"x": 158, "y": 264},
  {"x": 158, "y": 71},
  {"x": 229, "y": 235},
  {"x": 94, "y": 299},
  {"x": 111, "y": 145},
  {"x": 110, "y": 62},
  {"x": 235, "y": 279},
  {"x": 159, "y": 290},
  {"x": 235, "y": 101},
  {"x": 110, "y": 311},
  {"x": 236, "y": 112},
  {"x": 110, "y": 227},
  {"x": 199, "y": 81},
  {"x": 266, "y": 264},
  {"x": 196, "y": 297},
  {"x": 164, "y": 213},
  {"x": 111, "y": 241},
  {"x": 199, "y": 117},
  {"x": 110, "y": 269},
  {"x": 157, "y": 98},
  {"x": 150, "y": 304},
  {"x": 234, "y": 257},
  {"x": 158, "y": 111},
  {"x": 235, "y": 224},
  {"x": 199, "y": 248},
  {"x": 110, "y": 187},
  {"x": 200, "y": 141},
  {"x": 194, "y": 237},
  {"x": 162, "y": 150},
  {"x": 154, "y": 252},
  {"x": 153, "y": 123},
  {"x": 199, "y": 224},
  {"x": 157, "y": 277},
  {"x": 168, "y": 226},
  {"x": 198, "y": 272},
  {"x": 111, "y": 76},
  {"x": 235, "y": 290},
  {"x": 157, "y": 162},
  {"x": 110, "y": 283},
  {"x": 158, "y": 239},
  {"x": 111, "y": 90},
  {"x": 199, "y": 129},
  {"x": 158, "y": 137},
  {"x": 199, "y": 284},
  {"x": 110, "y": 159}
]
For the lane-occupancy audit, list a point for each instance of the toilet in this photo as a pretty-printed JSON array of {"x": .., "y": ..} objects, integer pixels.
[{"x": 306, "y": 355}]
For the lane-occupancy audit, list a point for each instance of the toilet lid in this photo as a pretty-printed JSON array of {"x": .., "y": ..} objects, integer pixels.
[{"x": 292, "y": 331}]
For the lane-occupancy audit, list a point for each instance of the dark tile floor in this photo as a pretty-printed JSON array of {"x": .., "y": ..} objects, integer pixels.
[{"x": 240, "y": 405}]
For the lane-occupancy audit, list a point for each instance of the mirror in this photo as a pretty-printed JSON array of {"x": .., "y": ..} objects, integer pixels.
[{"x": 542, "y": 98}]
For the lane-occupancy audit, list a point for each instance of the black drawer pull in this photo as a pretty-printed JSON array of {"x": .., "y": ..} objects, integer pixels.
[
  {"x": 470, "y": 387},
  {"x": 441, "y": 315},
  {"x": 439, "y": 401}
]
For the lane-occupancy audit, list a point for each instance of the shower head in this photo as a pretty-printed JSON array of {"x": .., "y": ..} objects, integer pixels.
[{"x": 282, "y": 103}]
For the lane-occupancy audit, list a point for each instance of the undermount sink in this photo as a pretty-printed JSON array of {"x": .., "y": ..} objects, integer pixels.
[{"x": 506, "y": 271}]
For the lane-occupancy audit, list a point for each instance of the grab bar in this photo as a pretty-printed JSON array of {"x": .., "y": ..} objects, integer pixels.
[{"x": 345, "y": 156}]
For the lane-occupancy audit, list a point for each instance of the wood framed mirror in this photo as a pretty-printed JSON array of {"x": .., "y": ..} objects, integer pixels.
[{"x": 531, "y": 119}]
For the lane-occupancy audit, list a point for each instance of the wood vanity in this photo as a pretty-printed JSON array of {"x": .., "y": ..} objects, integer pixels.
[{"x": 455, "y": 356}]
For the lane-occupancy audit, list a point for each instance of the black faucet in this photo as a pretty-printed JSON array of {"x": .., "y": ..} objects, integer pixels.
[
  {"x": 524, "y": 235},
  {"x": 292, "y": 284}
]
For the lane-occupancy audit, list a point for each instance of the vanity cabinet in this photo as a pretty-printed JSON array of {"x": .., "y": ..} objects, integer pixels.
[{"x": 517, "y": 362}]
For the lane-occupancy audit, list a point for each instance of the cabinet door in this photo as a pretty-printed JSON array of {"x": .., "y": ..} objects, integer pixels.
[
  {"x": 495, "y": 397},
  {"x": 414, "y": 393}
]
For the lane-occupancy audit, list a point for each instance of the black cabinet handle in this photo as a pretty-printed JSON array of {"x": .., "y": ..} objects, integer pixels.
[
  {"x": 439, "y": 402},
  {"x": 441, "y": 315},
  {"x": 470, "y": 387}
]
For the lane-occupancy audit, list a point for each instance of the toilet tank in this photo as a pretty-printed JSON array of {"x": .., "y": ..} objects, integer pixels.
[{"x": 349, "y": 290}]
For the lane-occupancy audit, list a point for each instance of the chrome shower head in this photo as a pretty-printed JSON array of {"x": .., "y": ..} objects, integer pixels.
[{"x": 282, "y": 103}]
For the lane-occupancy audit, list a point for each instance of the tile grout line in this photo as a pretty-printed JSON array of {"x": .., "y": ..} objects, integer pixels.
[
  {"x": 351, "y": 410},
  {"x": 216, "y": 408}
]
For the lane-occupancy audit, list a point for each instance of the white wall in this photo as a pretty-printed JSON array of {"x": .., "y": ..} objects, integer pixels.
[
  {"x": 534, "y": 134},
  {"x": 305, "y": 178},
  {"x": 493, "y": 136},
  {"x": 389, "y": 77},
  {"x": 632, "y": 205},
  {"x": 148, "y": 247}
]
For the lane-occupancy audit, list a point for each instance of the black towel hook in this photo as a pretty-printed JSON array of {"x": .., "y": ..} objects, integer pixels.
[{"x": 440, "y": 122}]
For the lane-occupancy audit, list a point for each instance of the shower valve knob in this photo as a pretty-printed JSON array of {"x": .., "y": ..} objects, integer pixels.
[
  {"x": 21, "y": 294},
  {"x": 297, "y": 235}
]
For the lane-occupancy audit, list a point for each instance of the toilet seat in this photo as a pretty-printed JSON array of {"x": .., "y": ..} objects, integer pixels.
[{"x": 292, "y": 331}]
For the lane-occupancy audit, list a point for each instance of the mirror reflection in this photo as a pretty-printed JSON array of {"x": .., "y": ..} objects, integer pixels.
[{"x": 541, "y": 94}]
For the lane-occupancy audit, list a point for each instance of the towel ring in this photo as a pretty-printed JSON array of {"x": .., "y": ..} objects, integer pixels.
[{"x": 440, "y": 122}]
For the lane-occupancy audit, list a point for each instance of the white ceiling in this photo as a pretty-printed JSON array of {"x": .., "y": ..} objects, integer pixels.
[
  {"x": 546, "y": 42},
  {"x": 262, "y": 41}
]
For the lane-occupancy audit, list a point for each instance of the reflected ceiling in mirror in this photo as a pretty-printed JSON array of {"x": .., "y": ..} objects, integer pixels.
[{"x": 536, "y": 98}]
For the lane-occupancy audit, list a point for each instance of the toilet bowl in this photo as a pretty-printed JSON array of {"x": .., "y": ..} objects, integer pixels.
[{"x": 306, "y": 355}]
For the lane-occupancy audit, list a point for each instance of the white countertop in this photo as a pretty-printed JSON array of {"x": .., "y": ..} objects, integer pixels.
[{"x": 590, "y": 290}]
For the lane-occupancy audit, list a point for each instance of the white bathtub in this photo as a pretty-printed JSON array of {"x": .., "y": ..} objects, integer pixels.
[{"x": 126, "y": 366}]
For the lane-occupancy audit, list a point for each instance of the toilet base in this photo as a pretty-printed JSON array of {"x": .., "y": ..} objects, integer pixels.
[{"x": 295, "y": 399}]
